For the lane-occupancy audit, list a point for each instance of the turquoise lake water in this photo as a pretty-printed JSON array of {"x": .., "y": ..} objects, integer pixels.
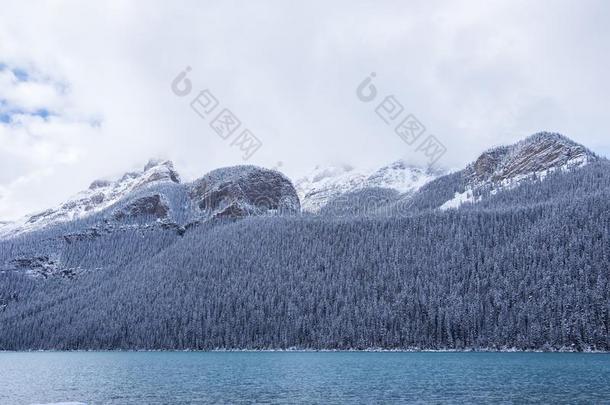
[{"x": 295, "y": 377}]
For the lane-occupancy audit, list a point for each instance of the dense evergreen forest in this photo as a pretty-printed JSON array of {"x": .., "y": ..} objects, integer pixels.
[{"x": 526, "y": 268}]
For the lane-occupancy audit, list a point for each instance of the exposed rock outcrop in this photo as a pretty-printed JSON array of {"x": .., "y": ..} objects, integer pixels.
[
  {"x": 244, "y": 190},
  {"x": 535, "y": 154}
]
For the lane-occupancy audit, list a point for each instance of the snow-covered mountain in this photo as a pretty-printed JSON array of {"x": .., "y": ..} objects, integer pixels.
[
  {"x": 100, "y": 195},
  {"x": 507, "y": 167},
  {"x": 325, "y": 184},
  {"x": 536, "y": 154},
  {"x": 156, "y": 195},
  {"x": 156, "y": 257}
]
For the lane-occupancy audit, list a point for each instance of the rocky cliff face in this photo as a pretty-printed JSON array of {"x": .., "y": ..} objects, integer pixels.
[
  {"x": 508, "y": 166},
  {"x": 244, "y": 190},
  {"x": 100, "y": 195},
  {"x": 155, "y": 195},
  {"x": 39, "y": 266},
  {"x": 153, "y": 206},
  {"x": 538, "y": 153}
]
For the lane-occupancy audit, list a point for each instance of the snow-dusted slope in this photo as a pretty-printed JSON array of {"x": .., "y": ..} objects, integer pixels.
[
  {"x": 508, "y": 166},
  {"x": 100, "y": 195},
  {"x": 155, "y": 193},
  {"x": 535, "y": 154},
  {"x": 156, "y": 196},
  {"x": 325, "y": 184},
  {"x": 244, "y": 190}
]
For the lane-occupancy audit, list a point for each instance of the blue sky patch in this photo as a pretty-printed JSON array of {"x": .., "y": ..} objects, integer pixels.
[
  {"x": 4, "y": 115},
  {"x": 21, "y": 74},
  {"x": 43, "y": 112},
  {"x": 7, "y": 112}
]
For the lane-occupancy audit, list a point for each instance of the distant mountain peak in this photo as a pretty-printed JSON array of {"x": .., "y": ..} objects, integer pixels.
[
  {"x": 153, "y": 162},
  {"x": 155, "y": 195},
  {"x": 534, "y": 157},
  {"x": 537, "y": 153},
  {"x": 545, "y": 136},
  {"x": 157, "y": 169},
  {"x": 324, "y": 184},
  {"x": 101, "y": 194},
  {"x": 154, "y": 170},
  {"x": 245, "y": 190}
]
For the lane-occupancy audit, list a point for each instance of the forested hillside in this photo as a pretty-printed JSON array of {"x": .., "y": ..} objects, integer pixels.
[
  {"x": 525, "y": 268},
  {"x": 511, "y": 252}
]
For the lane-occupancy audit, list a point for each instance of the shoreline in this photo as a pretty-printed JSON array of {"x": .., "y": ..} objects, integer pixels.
[{"x": 300, "y": 350}]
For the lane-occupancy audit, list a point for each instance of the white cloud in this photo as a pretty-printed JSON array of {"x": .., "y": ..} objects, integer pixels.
[
  {"x": 476, "y": 73},
  {"x": 29, "y": 96}
]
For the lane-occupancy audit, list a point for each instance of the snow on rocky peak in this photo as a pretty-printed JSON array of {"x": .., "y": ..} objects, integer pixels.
[
  {"x": 324, "y": 184},
  {"x": 538, "y": 153},
  {"x": 241, "y": 191},
  {"x": 100, "y": 195},
  {"x": 402, "y": 177},
  {"x": 533, "y": 158}
]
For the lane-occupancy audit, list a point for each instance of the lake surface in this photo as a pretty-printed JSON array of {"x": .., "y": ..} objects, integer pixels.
[{"x": 295, "y": 377}]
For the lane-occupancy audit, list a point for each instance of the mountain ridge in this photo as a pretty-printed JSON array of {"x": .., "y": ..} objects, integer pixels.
[
  {"x": 525, "y": 267},
  {"x": 505, "y": 167},
  {"x": 342, "y": 188},
  {"x": 156, "y": 195},
  {"x": 324, "y": 184}
]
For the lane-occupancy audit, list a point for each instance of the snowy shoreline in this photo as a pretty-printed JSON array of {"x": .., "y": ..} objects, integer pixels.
[{"x": 302, "y": 350}]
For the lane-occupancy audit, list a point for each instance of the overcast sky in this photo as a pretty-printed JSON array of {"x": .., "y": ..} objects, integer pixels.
[{"x": 85, "y": 87}]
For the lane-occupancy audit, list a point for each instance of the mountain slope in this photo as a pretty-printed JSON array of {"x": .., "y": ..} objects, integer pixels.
[
  {"x": 244, "y": 190},
  {"x": 504, "y": 168},
  {"x": 155, "y": 195},
  {"x": 100, "y": 195},
  {"x": 326, "y": 184},
  {"x": 468, "y": 279},
  {"x": 526, "y": 267}
]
